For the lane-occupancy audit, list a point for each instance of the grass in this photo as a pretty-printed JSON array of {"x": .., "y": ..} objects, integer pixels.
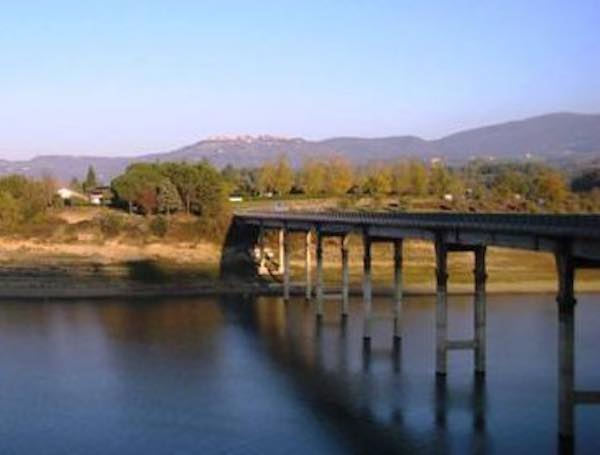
[{"x": 508, "y": 269}]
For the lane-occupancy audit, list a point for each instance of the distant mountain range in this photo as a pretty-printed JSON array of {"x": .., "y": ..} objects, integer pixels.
[{"x": 569, "y": 140}]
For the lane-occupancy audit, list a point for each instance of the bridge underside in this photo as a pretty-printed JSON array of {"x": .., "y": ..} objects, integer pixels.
[{"x": 586, "y": 251}]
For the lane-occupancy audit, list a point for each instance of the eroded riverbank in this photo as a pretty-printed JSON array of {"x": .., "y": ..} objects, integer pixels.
[{"x": 94, "y": 269}]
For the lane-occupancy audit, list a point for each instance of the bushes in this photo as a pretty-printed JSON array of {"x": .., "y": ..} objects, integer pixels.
[
  {"x": 10, "y": 211},
  {"x": 111, "y": 224},
  {"x": 159, "y": 226}
]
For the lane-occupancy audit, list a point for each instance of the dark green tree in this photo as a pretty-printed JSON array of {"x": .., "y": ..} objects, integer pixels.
[{"x": 91, "y": 181}]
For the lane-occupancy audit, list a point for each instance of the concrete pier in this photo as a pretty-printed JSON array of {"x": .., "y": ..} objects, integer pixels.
[
  {"x": 280, "y": 247},
  {"x": 441, "y": 306},
  {"x": 286, "y": 264},
  {"x": 319, "y": 286},
  {"x": 308, "y": 264},
  {"x": 398, "y": 285},
  {"x": 345, "y": 276},
  {"x": 367, "y": 288},
  {"x": 480, "y": 310}
]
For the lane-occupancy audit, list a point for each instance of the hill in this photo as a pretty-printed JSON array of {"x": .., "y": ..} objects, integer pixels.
[{"x": 566, "y": 139}]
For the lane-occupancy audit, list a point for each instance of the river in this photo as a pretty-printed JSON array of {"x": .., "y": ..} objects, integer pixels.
[{"x": 256, "y": 376}]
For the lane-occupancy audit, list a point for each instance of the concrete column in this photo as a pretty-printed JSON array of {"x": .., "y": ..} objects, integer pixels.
[
  {"x": 441, "y": 313},
  {"x": 566, "y": 372},
  {"x": 397, "y": 289},
  {"x": 280, "y": 241},
  {"x": 345, "y": 276},
  {"x": 286, "y": 264},
  {"x": 480, "y": 310},
  {"x": 261, "y": 250},
  {"x": 565, "y": 268},
  {"x": 319, "y": 287},
  {"x": 308, "y": 264},
  {"x": 367, "y": 286}
]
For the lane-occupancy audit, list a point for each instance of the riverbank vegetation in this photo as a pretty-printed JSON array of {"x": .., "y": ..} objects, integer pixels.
[
  {"x": 479, "y": 186},
  {"x": 165, "y": 222}
]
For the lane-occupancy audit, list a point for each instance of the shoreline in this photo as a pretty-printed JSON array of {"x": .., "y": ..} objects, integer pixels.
[
  {"x": 35, "y": 269},
  {"x": 253, "y": 289}
]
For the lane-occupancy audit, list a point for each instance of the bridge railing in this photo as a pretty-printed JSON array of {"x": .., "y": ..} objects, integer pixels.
[{"x": 555, "y": 225}]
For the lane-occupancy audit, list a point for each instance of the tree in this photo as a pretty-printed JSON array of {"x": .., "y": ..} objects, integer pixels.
[
  {"x": 210, "y": 196},
  {"x": 551, "y": 186},
  {"x": 185, "y": 177},
  {"x": 440, "y": 180},
  {"x": 147, "y": 199},
  {"x": 168, "y": 198},
  {"x": 90, "y": 180},
  {"x": 312, "y": 177},
  {"x": 48, "y": 186},
  {"x": 339, "y": 176},
  {"x": 586, "y": 181},
  {"x": 126, "y": 189},
  {"x": 266, "y": 178},
  {"x": 378, "y": 180},
  {"x": 284, "y": 176},
  {"x": 139, "y": 185},
  {"x": 401, "y": 178},
  {"x": 419, "y": 180}
]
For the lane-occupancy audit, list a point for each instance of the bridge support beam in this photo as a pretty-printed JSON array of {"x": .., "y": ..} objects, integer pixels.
[
  {"x": 345, "y": 276},
  {"x": 568, "y": 395},
  {"x": 565, "y": 268},
  {"x": 367, "y": 288},
  {"x": 441, "y": 307},
  {"x": 398, "y": 289},
  {"x": 319, "y": 286},
  {"x": 262, "y": 266},
  {"x": 480, "y": 310},
  {"x": 280, "y": 246},
  {"x": 308, "y": 264},
  {"x": 286, "y": 264}
]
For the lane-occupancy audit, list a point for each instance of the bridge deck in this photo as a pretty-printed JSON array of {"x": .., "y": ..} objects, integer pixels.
[{"x": 528, "y": 231}]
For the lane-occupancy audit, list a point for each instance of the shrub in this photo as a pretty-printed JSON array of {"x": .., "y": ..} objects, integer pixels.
[
  {"x": 159, "y": 226},
  {"x": 110, "y": 224}
]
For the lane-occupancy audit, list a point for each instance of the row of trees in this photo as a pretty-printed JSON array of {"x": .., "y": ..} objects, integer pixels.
[
  {"x": 23, "y": 199},
  {"x": 336, "y": 176},
  {"x": 171, "y": 187}
]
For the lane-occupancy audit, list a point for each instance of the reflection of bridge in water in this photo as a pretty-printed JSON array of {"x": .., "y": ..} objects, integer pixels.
[
  {"x": 573, "y": 239},
  {"x": 344, "y": 385}
]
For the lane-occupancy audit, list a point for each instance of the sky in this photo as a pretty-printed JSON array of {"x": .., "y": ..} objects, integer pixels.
[{"x": 118, "y": 77}]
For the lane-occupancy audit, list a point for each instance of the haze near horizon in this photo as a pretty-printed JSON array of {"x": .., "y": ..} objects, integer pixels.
[{"x": 127, "y": 78}]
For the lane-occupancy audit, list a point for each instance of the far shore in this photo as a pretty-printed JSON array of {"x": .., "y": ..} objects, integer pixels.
[{"x": 37, "y": 269}]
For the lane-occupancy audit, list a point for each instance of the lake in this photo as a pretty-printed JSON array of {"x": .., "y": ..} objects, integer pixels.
[{"x": 256, "y": 375}]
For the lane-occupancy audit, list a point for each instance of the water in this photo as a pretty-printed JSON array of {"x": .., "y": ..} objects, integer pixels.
[{"x": 236, "y": 375}]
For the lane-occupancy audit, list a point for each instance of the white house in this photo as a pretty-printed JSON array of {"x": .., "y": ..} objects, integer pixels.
[{"x": 67, "y": 194}]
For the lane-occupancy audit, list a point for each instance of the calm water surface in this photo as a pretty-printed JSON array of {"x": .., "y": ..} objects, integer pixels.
[{"x": 235, "y": 375}]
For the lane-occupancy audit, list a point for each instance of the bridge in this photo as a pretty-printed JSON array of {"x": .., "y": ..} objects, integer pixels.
[{"x": 574, "y": 240}]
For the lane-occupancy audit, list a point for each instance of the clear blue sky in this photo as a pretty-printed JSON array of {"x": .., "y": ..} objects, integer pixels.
[{"x": 127, "y": 77}]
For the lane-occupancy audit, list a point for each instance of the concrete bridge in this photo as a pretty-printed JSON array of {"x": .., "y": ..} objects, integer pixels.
[{"x": 573, "y": 239}]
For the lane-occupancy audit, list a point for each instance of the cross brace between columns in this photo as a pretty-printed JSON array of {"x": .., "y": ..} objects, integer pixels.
[
  {"x": 461, "y": 344},
  {"x": 587, "y": 396}
]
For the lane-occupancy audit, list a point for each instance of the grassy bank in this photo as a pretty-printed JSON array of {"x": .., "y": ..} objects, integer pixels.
[{"x": 509, "y": 270}]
